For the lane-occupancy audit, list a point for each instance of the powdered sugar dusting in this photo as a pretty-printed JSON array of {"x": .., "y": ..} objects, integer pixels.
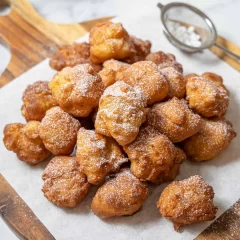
[
  {"x": 58, "y": 131},
  {"x": 174, "y": 119},
  {"x": 98, "y": 155},
  {"x": 176, "y": 82},
  {"x": 123, "y": 194},
  {"x": 121, "y": 112},
  {"x": 153, "y": 156},
  {"x": 145, "y": 76},
  {"x": 205, "y": 97},
  {"x": 187, "y": 201},
  {"x": 214, "y": 136}
]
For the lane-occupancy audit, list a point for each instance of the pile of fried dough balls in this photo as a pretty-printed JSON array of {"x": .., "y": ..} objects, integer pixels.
[{"x": 133, "y": 118}]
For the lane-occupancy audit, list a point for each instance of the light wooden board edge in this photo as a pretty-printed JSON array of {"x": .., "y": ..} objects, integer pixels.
[
  {"x": 226, "y": 227},
  {"x": 19, "y": 217}
]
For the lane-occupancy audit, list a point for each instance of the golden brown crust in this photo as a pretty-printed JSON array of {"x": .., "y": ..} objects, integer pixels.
[
  {"x": 145, "y": 75},
  {"x": 142, "y": 49},
  {"x": 98, "y": 155},
  {"x": 24, "y": 140},
  {"x": 64, "y": 184},
  {"x": 180, "y": 156},
  {"x": 213, "y": 77},
  {"x": 153, "y": 156},
  {"x": 174, "y": 119},
  {"x": 214, "y": 137},
  {"x": 187, "y": 201},
  {"x": 122, "y": 195},
  {"x": 58, "y": 131},
  {"x": 207, "y": 95},
  {"x": 189, "y": 76},
  {"x": 72, "y": 55},
  {"x": 163, "y": 60},
  {"x": 112, "y": 71},
  {"x": 176, "y": 82},
  {"x": 37, "y": 99},
  {"x": 121, "y": 112},
  {"x": 77, "y": 90},
  {"x": 217, "y": 79},
  {"x": 109, "y": 40}
]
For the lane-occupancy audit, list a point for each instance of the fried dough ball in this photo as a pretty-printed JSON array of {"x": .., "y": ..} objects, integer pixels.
[
  {"x": 77, "y": 90},
  {"x": 180, "y": 156},
  {"x": 207, "y": 95},
  {"x": 187, "y": 201},
  {"x": 174, "y": 119},
  {"x": 109, "y": 40},
  {"x": 145, "y": 75},
  {"x": 218, "y": 80},
  {"x": 214, "y": 136},
  {"x": 189, "y": 76},
  {"x": 142, "y": 49},
  {"x": 24, "y": 140},
  {"x": 213, "y": 77},
  {"x": 164, "y": 60},
  {"x": 121, "y": 195},
  {"x": 153, "y": 156},
  {"x": 121, "y": 112},
  {"x": 64, "y": 184},
  {"x": 176, "y": 82},
  {"x": 58, "y": 131},
  {"x": 112, "y": 71},
  {"x": 98, "y": 155},
  {"x": 72, "y": 55},
  {"x": 37, "y": 99}
]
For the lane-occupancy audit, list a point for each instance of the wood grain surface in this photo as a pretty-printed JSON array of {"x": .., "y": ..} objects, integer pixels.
[
  {"x": 226, "y": 227},
  {"x": 19, "y": 216},
  {"x": 31, "y": 39},
  {"x": 231, "y": 47}
]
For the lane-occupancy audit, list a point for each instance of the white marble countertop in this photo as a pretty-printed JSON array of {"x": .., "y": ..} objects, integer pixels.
[{"x": 224, "y": 13}]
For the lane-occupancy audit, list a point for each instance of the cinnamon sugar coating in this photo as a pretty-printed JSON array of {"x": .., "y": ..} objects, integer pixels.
[
  {"x": 77, "y": 90},
  {"x": 98, "y": 155},
  {"x": 72, "y": 55},
  {"x": 174, "y": 119},
  {"x": 141, "y": 50},
  {"x": 121, "y": 112},
  {"x": 214, "y": 136},
  {"x": 37, "y": 99},
  {"x": 207, "y": 94},
  {"x": 176, "y": 82},
  {"x": 58, "y": 131},
  {"x": 64, "y": 184},
  {"x": 112, "y": 71},
  {"x": 154, "y": 157},
  {"x": 123, "y": 194},
  {"x": 187, "y": 201},
  {"x": 24, "y": 140},
  {"x": 145, "y": 75},
  {"x": 109, "y": 40},
  {"x": 163, "y": 60}
]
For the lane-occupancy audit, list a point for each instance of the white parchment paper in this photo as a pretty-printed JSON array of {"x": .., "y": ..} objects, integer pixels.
[{"x": 80, "y": 223}]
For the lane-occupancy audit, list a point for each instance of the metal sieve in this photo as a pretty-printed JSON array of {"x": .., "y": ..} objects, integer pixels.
[{"x": 187, "y": 16}]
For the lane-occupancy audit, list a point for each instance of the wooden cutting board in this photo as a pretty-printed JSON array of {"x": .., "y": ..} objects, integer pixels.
[{"x": 32, "y": 39}]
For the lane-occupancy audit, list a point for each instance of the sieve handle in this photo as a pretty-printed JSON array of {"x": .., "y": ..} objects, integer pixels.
[
  {"x": 160, "y": 5},
  {"x": 225, "y": 50}
]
